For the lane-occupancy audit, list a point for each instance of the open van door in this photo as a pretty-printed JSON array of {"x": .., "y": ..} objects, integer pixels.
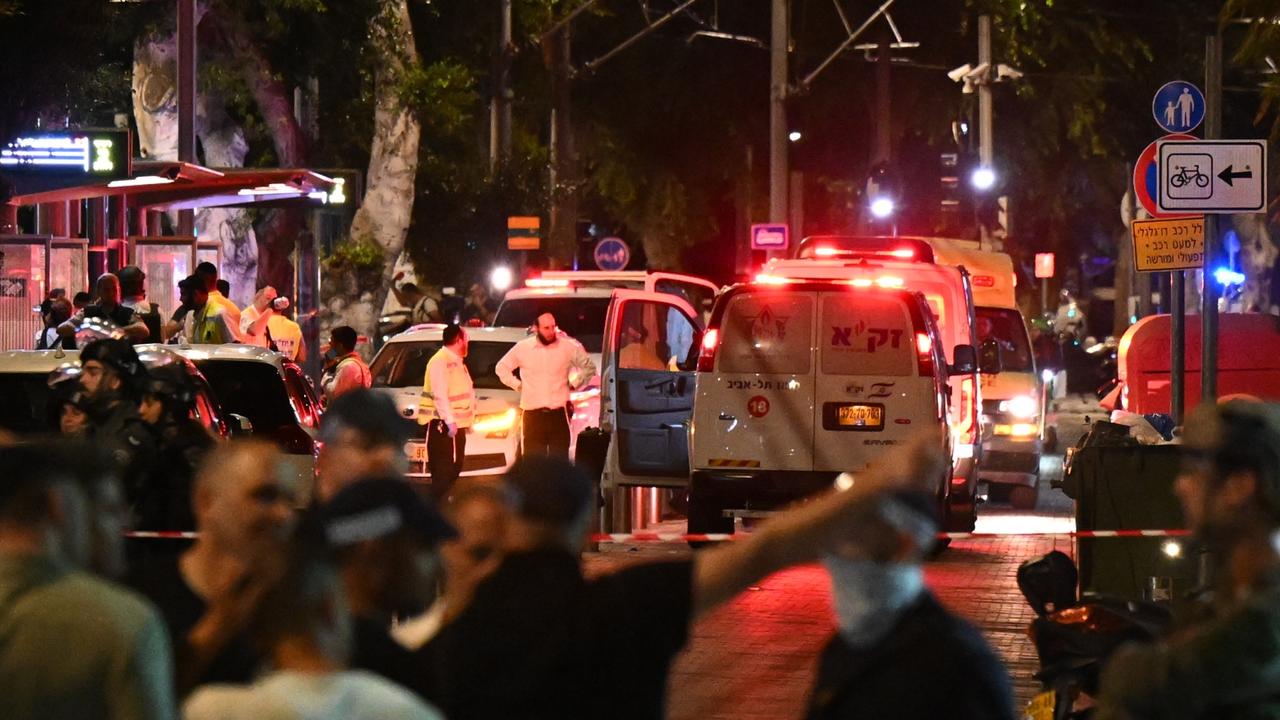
[
  {"x": 648, "y": 363},
  {"x": 696, "y": 291}
]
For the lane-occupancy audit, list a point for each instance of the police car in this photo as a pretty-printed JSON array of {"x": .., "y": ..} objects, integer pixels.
[{"x": 493, "y": 445}]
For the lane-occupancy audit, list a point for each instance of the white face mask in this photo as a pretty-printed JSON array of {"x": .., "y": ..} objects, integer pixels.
[{"x": 870, "y": 596}]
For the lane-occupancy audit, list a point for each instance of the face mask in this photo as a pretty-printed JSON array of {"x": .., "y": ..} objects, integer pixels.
[{"x": 870, "y": 596}]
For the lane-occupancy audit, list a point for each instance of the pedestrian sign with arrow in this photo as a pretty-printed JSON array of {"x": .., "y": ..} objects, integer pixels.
[{"x": 1212, "y": 176}]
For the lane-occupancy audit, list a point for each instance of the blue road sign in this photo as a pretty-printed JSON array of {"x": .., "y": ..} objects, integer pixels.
[
  {"x": 770, "y": 237},
  {"x": 612, "y": 253},
  {"x": 1178, "y": 107}
]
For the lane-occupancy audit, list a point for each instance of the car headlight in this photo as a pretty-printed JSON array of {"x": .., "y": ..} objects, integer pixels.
[
  {"x": 498, "y": 424},
  {"x": 1022, "y": 407}
]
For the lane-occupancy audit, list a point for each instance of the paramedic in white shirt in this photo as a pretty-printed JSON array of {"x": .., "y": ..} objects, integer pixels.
[{"x": 551, "y": 365}]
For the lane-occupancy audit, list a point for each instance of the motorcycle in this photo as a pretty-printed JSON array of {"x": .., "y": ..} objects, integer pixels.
[{"x": 1074, "y": 637}]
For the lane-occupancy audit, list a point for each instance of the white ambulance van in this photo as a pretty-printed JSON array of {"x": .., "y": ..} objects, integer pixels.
[{"x": 801, "y": 379}]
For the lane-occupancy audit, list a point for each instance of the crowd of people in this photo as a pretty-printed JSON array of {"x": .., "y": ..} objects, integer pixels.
[{"x": 365, "y": 598}]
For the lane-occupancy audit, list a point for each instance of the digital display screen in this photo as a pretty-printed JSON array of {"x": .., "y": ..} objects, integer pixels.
[{"x": 49, "y": 160}]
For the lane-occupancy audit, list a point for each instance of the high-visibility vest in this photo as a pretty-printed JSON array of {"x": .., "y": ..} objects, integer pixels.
[{"x": 462, "y": 394}]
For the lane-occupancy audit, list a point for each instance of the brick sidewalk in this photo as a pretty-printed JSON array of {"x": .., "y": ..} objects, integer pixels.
[{"x": 754, "y": 658}]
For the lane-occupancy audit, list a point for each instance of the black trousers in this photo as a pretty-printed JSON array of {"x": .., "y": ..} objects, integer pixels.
[
  {"x": 444, "y": 457},
  {"x": 546, "y": 432}
]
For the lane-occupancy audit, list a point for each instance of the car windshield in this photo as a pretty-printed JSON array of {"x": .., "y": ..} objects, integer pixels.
[
  {"x": 581, "y": 318},
  {"x": 1008, "y": 330},
  {"x": 26, "y": 409},
  {"x": 254, "y": 390},
  {"x": 404, "y": 364}
]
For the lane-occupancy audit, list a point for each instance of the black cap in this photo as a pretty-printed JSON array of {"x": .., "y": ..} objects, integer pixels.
[
  {"x": 372, "y": 414},
  {"x": 378, "y": 507},
  {"x": 548, "y": 489}
]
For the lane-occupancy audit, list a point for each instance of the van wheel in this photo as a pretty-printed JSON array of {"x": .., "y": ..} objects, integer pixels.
[
  {"x": 706, "y": 511},
  {"x": 1023, "y": 497}
]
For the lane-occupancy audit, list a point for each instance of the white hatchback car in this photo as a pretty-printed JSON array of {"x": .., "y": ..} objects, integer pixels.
[{"x": 494, "y": 443}]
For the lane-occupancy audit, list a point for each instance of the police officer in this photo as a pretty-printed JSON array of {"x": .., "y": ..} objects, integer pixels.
[
  {"x": 447, "y": 408},
  {"x": 168, "y": 398},
  {"x": 113, "y": 378}
]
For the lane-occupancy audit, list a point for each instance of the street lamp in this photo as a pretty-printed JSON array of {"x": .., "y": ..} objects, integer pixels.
[
  {"x": 983, "y": 178},
  {"x": 500, "y": 278},
  {"x": 882, "y": 207},
  {"x": 794, "y": 136}
]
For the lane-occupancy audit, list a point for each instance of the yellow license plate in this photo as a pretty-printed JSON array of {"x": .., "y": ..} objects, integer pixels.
[
  {"x": 868, "y": 416},
  {"x": 417, "y": 452},
  {"x": 1040, "y": 707}
]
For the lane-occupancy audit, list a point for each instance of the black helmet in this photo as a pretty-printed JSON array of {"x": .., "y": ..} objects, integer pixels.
[
  {"x": 120, "y": 356},
  {"x": 64, "y": 386},
  {"x": 169, "y": 377}
]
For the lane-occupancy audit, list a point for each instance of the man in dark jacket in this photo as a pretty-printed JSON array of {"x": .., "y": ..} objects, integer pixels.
[
  {"x": 1227, "y": 666},
  {"x": 897, "y": 652},
  {"x": 112, "y": 377}
]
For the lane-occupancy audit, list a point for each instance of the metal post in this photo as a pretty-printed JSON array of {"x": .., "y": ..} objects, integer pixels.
[
  {"x": 778, "y": 170},
  {"x": 1177, "y": 355},
  {"x": 883, "y": 151},
  {"x": 500, "y": 103},
  {"x": 1044, "y": 296},
  {"x": 1209, "y": 311},
  {"x": 986, "y": 128},
  {"x": 186, "y": 99}
]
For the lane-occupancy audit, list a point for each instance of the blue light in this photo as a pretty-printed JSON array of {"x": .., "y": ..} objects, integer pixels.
[{"x": 1227, "y": 277}]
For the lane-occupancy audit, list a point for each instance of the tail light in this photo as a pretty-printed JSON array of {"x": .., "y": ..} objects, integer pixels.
[
  {"x": 710, "y": 343},
  {"x": 924, "y": 350}
]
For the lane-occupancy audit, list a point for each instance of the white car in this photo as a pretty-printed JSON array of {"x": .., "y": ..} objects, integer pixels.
[
  {"x": 494, "y": 442},
  {"x": 580, "y": 299}
]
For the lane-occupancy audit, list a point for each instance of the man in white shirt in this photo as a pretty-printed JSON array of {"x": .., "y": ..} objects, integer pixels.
[
  {"x": 306, "y": 623},
  {"x": 259, "y": 323},
  {"x": 447, "y": 408},
  {"x": 551, "y": 365}
]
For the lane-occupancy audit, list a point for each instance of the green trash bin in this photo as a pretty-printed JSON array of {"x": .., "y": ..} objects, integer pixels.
[{"x": 1128, "y": 488}]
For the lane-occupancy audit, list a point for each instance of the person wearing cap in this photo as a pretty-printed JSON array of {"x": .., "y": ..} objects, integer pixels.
[
  {"x": 255, "y": 320},
  {"x": 447, "y": 408},
  {"x": 362, "y": 434},
  {"x": 304, "y": 626},
  {"x": 896, "y": 651},
  {"x": 344, "y": 369},
  {"x": 538, "y": 640},
  {"x": 133, "y": 295},
  {"x": 386, "y": 537},
  {"x": 551, "y": 365},
  {"x": 244, "y": 512},
  {"x": 1226, "y": 665},
  {"x": 107, "y": 306}
]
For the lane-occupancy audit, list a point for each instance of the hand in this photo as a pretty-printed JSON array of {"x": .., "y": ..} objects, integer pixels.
[
  {"x": 280, "y": 303},
  {"x": 453, "y": 429}
]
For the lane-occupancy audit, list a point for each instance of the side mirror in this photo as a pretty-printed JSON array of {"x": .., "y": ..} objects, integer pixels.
[
  {"x": 989, "y": 357},
  {"x": 240, "y": 425},
  {"x": 966, "y": 361}
]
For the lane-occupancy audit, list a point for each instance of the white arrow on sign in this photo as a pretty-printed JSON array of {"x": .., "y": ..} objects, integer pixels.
[{"x": 1212, "y": 176}]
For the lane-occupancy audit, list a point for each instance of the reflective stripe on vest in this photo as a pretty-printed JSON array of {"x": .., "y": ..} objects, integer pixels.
[{"x": 460, "y": 391}]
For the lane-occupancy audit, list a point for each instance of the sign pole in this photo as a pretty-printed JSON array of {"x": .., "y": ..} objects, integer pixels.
[
  {"x": 1209, "y": 313},
  {"x": 1177, "y": 356}
]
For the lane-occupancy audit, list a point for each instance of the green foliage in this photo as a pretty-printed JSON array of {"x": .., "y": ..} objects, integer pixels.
[
  {"x": 443, "y": 93},
  {"x": 358, "y": 254}
]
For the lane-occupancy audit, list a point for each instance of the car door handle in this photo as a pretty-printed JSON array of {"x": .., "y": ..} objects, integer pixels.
[
  {"x": 727, "y": 416},
  {"x": 672, "y": 426}
]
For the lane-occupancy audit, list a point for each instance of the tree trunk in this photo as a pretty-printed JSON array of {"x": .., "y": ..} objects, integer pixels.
[
  {"x": 283, "y": 228},
  {"x": 384, "y": 215},
  {"x": 155, "y": 110},
  {"x": 1257, "y": 258}
]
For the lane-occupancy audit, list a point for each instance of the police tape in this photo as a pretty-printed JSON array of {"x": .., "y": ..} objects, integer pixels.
[{"x": 660, "y": 537}]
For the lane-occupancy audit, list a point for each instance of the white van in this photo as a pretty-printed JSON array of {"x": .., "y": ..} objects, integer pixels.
[
  {"x": 800, "y": 380},
  {"x": 909, "y": 263}
]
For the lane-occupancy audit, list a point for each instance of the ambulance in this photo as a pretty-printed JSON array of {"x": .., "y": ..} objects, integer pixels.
[{"x": 947, "y": 291}]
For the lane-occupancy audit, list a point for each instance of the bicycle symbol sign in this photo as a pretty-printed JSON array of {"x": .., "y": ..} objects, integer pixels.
[
  {"x": 1189, "y": 176},
  {"x": 1211, "y": 176}
]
